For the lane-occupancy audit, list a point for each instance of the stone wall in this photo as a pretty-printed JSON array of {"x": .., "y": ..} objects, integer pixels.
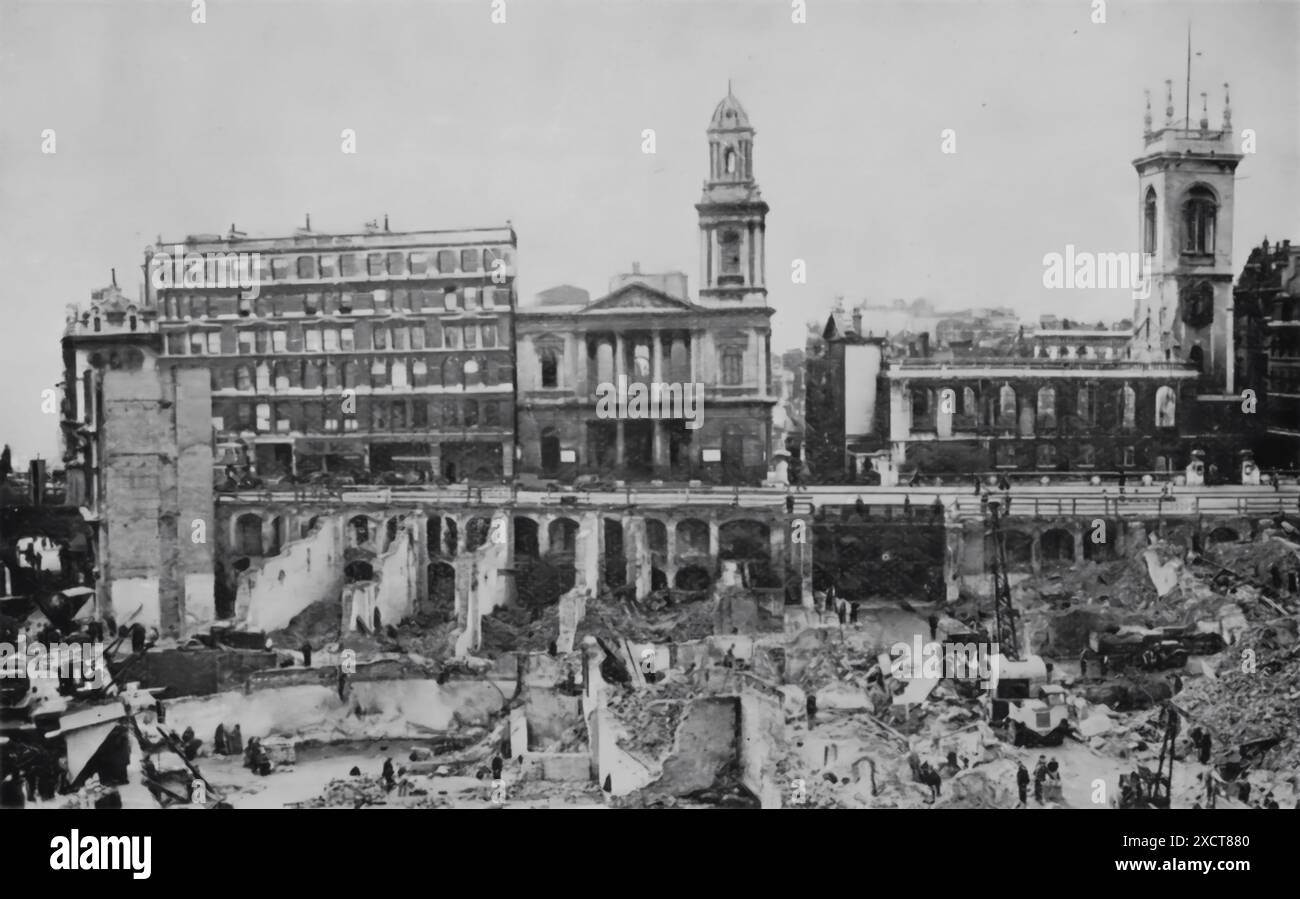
[
  {"x": 305, "y": 571},
  {"x": 392, "y": 592},
  {"x": 762, "y": 740}
]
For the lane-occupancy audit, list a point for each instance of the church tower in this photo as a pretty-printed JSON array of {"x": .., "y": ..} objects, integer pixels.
[
  {"x": 732, "y": 214},
  {"x": 1185, "y": 200}
]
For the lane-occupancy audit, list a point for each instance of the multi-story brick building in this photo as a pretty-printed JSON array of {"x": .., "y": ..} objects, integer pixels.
[
  {"x": 1266, "y": 305},
  {"x": 647, "y": 330},
  {"x": 357, "y": 354}
]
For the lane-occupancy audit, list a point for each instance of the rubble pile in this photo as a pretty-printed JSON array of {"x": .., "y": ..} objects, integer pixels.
[
  {"x": 354, "y": 792},
  {"x": 1261, "y": 703},
  {"x": 513, "y": 629},
  {"x": 650, "y": 719}
]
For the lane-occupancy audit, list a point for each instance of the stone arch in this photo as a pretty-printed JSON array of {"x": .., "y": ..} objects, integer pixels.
[
  {"x": 527, "y": 543},
  {"x": 477, "y": 530},
  {"x": 744, "y": 538},
  {"x": 362, "y": 530},
  {"x": 693, "y": 579},
  {"x": 1223, "y": 534},
  {"x": 391, "y": 528},
  {"x": 1019, "y": 549},
  {"x": 562, "y": 536},
  {"x": 1100, "y": 550},
  {"x": 1056, "y": 545},
  {"x": 693, "y": 537},
  {"x": 359, "y": 570},
  {"x": 615, "y": 560},
  {"x": 656, "y": 537},
  {"x": 247, "y": 536},
  {"x": 309, "y": 525},
  {"x": 278, "y": 534}
]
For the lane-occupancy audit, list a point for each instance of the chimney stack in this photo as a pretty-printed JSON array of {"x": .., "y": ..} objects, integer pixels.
[
  {"x": 857, "y": 321},
  {"x": 636, "y": 268}
]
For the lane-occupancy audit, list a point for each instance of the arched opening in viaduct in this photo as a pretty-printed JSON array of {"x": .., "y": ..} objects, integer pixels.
[{"x": 1057, "y": 547}]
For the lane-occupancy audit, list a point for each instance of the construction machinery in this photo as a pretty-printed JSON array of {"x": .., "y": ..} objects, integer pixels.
[
  {"x": 1021, "y": 699},
  {"x": 1151, "y": 789}
]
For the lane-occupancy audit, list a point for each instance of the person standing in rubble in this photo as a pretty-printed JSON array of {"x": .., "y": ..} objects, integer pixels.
[
  {"x": 1204, "y": 756},
  {"x": 1022, "y": 783},
  {"x": 933, "y": 621},
  {"x": 1040, "y": 774},
  {"x": 811, "y": 706},
  {"x": 387, "y": 775}
]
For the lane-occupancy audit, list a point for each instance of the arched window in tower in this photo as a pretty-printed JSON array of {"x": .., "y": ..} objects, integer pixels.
[
  {"x": 729, "y": 161},
  {"x": 1196, "y": 358},
  {"x": 1199, "y": 215},
  {"x": 1166, "y": 406},
  {"x": 732, "y": 367},
  {"x": 1198, "y": 304},
  {"x": 1149, "y": 222},
  {"x": 729, "y": 244}
]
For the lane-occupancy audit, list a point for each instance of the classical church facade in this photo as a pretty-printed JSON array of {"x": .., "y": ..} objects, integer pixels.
[{"x": 648, "y": 333}]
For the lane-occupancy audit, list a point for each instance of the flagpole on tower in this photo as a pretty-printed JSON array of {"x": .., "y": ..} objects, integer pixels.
[{"x": 1187, "y": 109}]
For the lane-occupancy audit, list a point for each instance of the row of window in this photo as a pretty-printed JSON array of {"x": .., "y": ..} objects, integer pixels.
[
  {"x": 391, "y": 263},
  {"x": 382, "y": 415},
  {"x": 1009, "y": 413},
  {"x": 1045, "y": 455},
  {"x": 308, "y": 374},
  {"x": 452, "y": 299},
  {"x": 731, "y": 364},
  {"x": 1200, "y": 215},
  {"x": 432, "y": 334}
]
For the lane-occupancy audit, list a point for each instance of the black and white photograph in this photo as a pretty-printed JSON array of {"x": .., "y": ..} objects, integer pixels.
[{"x": 651, "y": 404}]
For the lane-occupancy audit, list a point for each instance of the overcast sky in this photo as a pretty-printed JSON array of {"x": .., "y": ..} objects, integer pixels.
[{"x": 168, "y": 127}]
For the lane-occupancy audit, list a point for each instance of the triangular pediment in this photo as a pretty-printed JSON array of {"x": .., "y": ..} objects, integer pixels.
[{"x": 637, "y": 296}]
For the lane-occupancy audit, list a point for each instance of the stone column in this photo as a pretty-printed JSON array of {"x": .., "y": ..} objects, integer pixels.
[
  {"x": 744, "y": 255},
  {"x": 1036, "y": 553},
  {"x": 695, "y": 358},
  {"x": 714, "y": 540},
  {"x": 544, "y": 535},
  {"x": 656, "y": 356},
  {"x": 508, "y": 457},
  {"x": 704, "y": 258},
  {"x": 586, "y": 552},
  {"x": 637, "y": 553},
  {"x": 762, "y": 255},
  {"x": 1078, "y": 545},
  {"x": 618, "y": 357},
  {"x": 420, "y": 530},
  {"x": 618, "y": 446}
]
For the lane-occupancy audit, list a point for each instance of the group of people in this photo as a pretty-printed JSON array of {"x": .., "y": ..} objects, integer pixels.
[{"x": 1046, "y": 780}]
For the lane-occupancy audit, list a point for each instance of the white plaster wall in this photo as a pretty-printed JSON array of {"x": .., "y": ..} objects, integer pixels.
[
  {"x": 861, "y": 366},
  {"x": 132, "y": 593},
  {"x": 200, "y": 600},
  {"x": 306, "y": 571}
]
